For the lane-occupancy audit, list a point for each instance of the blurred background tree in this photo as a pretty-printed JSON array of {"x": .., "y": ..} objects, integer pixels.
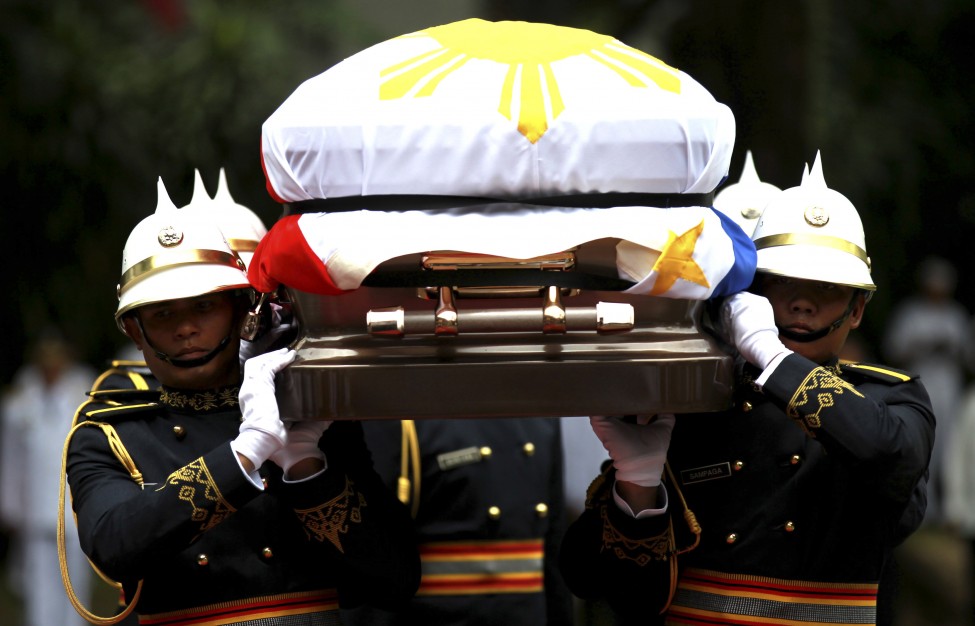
[{"x": 96, "y": 103}]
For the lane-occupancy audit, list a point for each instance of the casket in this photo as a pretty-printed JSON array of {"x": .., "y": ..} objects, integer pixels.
[{"x": 500, "y": 220}]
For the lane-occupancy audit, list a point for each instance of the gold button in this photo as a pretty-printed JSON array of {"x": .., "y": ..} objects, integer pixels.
[
  {"x": 746, "y": 406},
  {"x": 795, "y": 460},
  {"x": 528, "y": 448},
  {"x": 731, "y": 538},
  {"x": 202, "y": 560},
  {"x": 179, "y": 431},
  {"x": 264, "y": 482},
  {"x": 266, "y": 553},
  {"x": 494, "y": 513},
  {"x": 789, "y": 527},
  {"x": 739, "y": 465},
  {"x": 485, "y": 452},
  {"x": 541, "y": 509}
]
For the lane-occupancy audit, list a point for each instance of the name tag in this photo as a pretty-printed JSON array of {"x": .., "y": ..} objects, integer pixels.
[
  {"x": 708, "y": 472},
  {"x": 464, "y": 456}
]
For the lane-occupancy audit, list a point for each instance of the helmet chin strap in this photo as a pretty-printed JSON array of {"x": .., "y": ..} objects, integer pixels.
[
  {"x": 822, "y": 332},
  {"x": 187, "y": 363}
]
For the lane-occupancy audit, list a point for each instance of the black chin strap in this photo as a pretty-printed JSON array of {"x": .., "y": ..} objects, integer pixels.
[
  {"x": 187, "y": 363},
  {"x": 822, "y": 332}
]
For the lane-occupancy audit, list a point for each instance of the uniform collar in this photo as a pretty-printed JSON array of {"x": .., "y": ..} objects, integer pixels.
[{"x": 196, "y": 401}]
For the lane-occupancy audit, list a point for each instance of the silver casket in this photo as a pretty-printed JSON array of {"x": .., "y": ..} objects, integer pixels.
[{"x": 500, "y": 220}]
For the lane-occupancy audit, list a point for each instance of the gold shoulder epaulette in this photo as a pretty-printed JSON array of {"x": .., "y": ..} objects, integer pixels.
[
  {"x": 878, "y": 372},
  {"x": 127, "y": 396},
  {"x": 124, "y": 375},
  {"x": 103, "y": 412}
]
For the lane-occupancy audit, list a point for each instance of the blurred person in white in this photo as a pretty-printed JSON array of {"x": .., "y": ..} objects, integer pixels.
[
  {"x": 35, "y": 417},
  {"x": 929, "y": 334}
]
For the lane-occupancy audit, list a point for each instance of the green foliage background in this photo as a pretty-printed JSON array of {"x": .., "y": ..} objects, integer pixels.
[{"x": 97, "y": 100}]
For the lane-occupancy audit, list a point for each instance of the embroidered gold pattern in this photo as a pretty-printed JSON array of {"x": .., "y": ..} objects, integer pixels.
[
  {"x": 640, "y": 551},
  {"x": 817, "y": 393},
  {"x": 201, "y": 401},
  {"x": 333, "y": 518},
  {"x": 196, "y": 486}
]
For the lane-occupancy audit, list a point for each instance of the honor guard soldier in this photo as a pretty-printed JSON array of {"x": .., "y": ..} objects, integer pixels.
[
  {"x": 196, "y": 496},
  {"x": 488, "y": 501},
  {"x": 795, "y": 496}
]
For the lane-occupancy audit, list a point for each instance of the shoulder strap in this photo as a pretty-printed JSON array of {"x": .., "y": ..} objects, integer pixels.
[
  {"x": 881, "y": 373},
  {"x": 115, "y": 443},
  {"x": 124, "y": 369}
]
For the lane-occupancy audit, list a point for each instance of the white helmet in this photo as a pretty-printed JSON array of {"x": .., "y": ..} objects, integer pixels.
[
  {"x": 242, "y": 228},
  {"x": 175, "y": 254},
  {"x": 815, "y": 233},
  {"x": 743, "y": 201}
]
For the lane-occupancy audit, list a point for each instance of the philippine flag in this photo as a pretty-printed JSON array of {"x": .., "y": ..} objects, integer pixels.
[{"x": 686, "y": 252}]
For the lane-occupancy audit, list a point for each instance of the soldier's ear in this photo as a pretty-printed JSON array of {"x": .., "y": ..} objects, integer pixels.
[
  {"x": 133, "y": 330},
  {"x": 856, "y": 313}
]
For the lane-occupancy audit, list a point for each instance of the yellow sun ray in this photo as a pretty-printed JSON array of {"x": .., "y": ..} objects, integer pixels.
[
  {"x": 529, "y": 50},
  {"x": 400, "y": 84}
]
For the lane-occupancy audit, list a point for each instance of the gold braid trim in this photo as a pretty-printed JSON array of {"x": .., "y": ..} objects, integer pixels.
[
  {"x": 118, "y": 449},
  {"x": 817, "y": 393},
  {"x": 407, "y": 490},
  {"x": 202, "y": 401},
  {"x": 196, "y": 486},
  {"x": 640, "y": 551},
  {"x": 333, "y": 518}
]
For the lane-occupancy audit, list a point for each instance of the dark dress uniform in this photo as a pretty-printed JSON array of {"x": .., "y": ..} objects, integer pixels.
[
  {"x": 800, "y": 492},
  {"x": 206, "y": 542},
  {"x": 489, "y": 514}
]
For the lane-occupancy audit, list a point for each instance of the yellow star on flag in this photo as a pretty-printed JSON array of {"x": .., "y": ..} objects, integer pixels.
[{"x": 676, "y": 261}]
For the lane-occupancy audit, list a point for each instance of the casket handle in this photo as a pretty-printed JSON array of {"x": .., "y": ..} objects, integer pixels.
[{"x": 550, "y": 318}]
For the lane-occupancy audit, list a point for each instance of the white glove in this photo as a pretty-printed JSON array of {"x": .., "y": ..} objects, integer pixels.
[
  {"x": 749, "y": 321},
  {"x": 262, "y": 433},
  {"x": 639, "y": 450},
  {"x": 302, "y": 443}
]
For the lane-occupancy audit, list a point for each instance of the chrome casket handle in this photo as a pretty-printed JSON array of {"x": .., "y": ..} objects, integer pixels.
[{"x": 550, "y": 318}]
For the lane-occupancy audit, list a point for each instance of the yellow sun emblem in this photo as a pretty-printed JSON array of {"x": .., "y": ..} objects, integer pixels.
[{"x": 529, "y": 50}]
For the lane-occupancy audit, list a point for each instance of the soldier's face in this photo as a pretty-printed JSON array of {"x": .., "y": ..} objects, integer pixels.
[
  {"x": 805, "y": 306},
  {"x": 190, "y": 328}
]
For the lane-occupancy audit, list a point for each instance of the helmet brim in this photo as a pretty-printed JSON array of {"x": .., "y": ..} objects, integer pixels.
[
  {"x": 830, "y": 266},
  {"x": 180, "y": 282}
]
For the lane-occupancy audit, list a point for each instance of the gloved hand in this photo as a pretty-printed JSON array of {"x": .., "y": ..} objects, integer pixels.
[
  {"x": 638, "y": 450},
  {"x": 279, "y": 327},
  {"x": 301, "y": 443},
  {"x": 749, "y": 322},
  {"x": 262, "y": 433}
]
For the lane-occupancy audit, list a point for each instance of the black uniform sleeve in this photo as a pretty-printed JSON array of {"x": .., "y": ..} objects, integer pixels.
[
  {"x": 885, "y": 427},
  {"x": 608, "y": 554},
  {"x": 124, "y": 528},
  {"x": 348, "y": 512}
]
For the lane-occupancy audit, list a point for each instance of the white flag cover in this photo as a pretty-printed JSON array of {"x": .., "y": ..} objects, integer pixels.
[
  {"x": 507, "y": 111},
  {"x": 497, "y": 109}
]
